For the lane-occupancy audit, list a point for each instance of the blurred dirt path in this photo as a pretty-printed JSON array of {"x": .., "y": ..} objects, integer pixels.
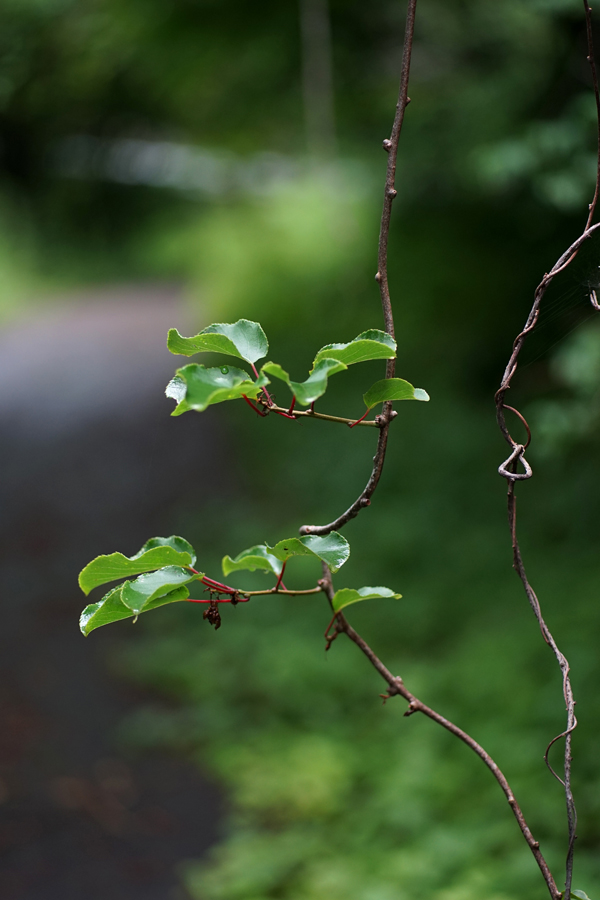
[{"x": 90, "y": 461}]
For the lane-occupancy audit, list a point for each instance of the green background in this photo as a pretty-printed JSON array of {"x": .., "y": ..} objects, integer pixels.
[{"x": 330, "y": 793}]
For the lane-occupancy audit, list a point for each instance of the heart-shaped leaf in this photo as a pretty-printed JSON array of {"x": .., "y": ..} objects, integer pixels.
[
  {"x": 156, "y": 553},
  {"x": 373, "y": 344},
  {"x": 243, "y": 339},
  {"x": 143, "y": 590},
  {"x": 308, "y": 391},
  {"x": 251, "y": 559},
  {"x": 392, "y": 389},
  {"x": 196, "y": 387},
  {"x": 333, "y": 549},
  {"x": 111, "y": 608},
  {"x": 346, "y": 596}
]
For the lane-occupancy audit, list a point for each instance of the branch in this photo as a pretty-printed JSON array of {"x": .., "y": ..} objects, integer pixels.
[
  {"x": 365, "y": 498},
  {"x": 311, "y": 414},
  {"x": 530, "y": 324},
  {"x": 241, "y": 596},
  {"x": 590, "y": 59},
  {"x": 508, "y": 469},
  {"x": 217, "y": 587},
  {"x": 390, "y": 145},
  {"x": 339, "y": 623},
  {"x": 396, "y": 687},
  {"x": 315, "y": 590}
]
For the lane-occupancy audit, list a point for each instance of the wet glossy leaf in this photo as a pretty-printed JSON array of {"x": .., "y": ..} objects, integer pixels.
[
  {"x": 111, "y": 608},
  {"x": 253, "y": 558},
  {"x": 176, "y": 390},
  {"x": 177, "y": 543},
  {"x": 347, "y": 596},
  {"x": 156, "y": 553},
  {"x": 392, "y": 389},
  {"x": 243, "y": 339},
  {"x": 308, "y": 391},
  {"x": 333, "y": 549},
  {"x": 373, "y": 344},
  {"x": 196, "y": 387},
  {"x": 139, "y": 593}
]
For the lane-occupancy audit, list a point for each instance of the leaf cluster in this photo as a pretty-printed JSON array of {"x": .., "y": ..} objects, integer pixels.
[
  {"x": 164, "y": 567},
  {"x": 196, "y": 387}
]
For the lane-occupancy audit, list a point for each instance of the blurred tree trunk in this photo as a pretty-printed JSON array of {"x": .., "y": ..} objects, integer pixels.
[{"x": 317, "y": 78}]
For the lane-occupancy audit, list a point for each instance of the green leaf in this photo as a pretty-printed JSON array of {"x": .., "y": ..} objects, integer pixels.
[
  {"x": 332, "y": 359},
  {"x": 196, "y": 387},
  {"x": 139, "y": 593},
  {"x": 372, "y": 344},
  {"x": 156, "y": 553},
  {"x": 333, "y": 549},
  {"x": 111, "y": 608},
  {"x": 308, "y": 391},
  {"x": 581, "y": 895},
  {"x": 243, "y": 339},
  {"x": 346, "y": 596},
  {"x": 177, "y": 543},
  {"x": 393, "y": 389},
  {"x": 253, "y": 558}
]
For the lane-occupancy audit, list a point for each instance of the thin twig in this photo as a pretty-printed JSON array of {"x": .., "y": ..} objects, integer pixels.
[
  {"x": 339, "y": 624},
  {"x": 246, "y": 594},
  {"x": 219, "y": 588},
  {"x": 365, "y": 497},
  {"x": 396, "y": 686},
  {"x": 390, "y": 145},
  {"x": 280, "y": 592},
  {"x": 508, "y": 471},
  {"x": 311, "y": 414},
  {"x": 592, "y": 62}
]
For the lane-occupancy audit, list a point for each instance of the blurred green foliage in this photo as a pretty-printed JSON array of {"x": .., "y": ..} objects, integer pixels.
[{"x": 331, "y": 794}]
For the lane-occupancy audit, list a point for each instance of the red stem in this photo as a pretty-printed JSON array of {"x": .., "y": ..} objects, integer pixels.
[
  {"x": 255, "y": 408},
  {"x": 228, "y": 600},
  {"x": 268, "y": 396},
  {"x": 292, "y": 405},
  {"x": 210, "y": 582},
  {"x": 358, "y": 421},
  {"x": 281, "y": 576}
]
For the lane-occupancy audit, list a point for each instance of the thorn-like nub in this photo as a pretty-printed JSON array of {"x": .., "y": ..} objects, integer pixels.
[
  {"x": 392, "y": 193},
  {"x": 387, "y": 145},
  {"x": 407, "y": 100},
  {"x": 378, "y": 276}
]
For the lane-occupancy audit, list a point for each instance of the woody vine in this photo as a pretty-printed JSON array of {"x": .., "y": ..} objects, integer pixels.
[{"x": 164, "y": 570}]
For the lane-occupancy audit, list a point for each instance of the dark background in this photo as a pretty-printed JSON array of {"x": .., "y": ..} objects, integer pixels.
[{"x": 184, "y": 162}]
